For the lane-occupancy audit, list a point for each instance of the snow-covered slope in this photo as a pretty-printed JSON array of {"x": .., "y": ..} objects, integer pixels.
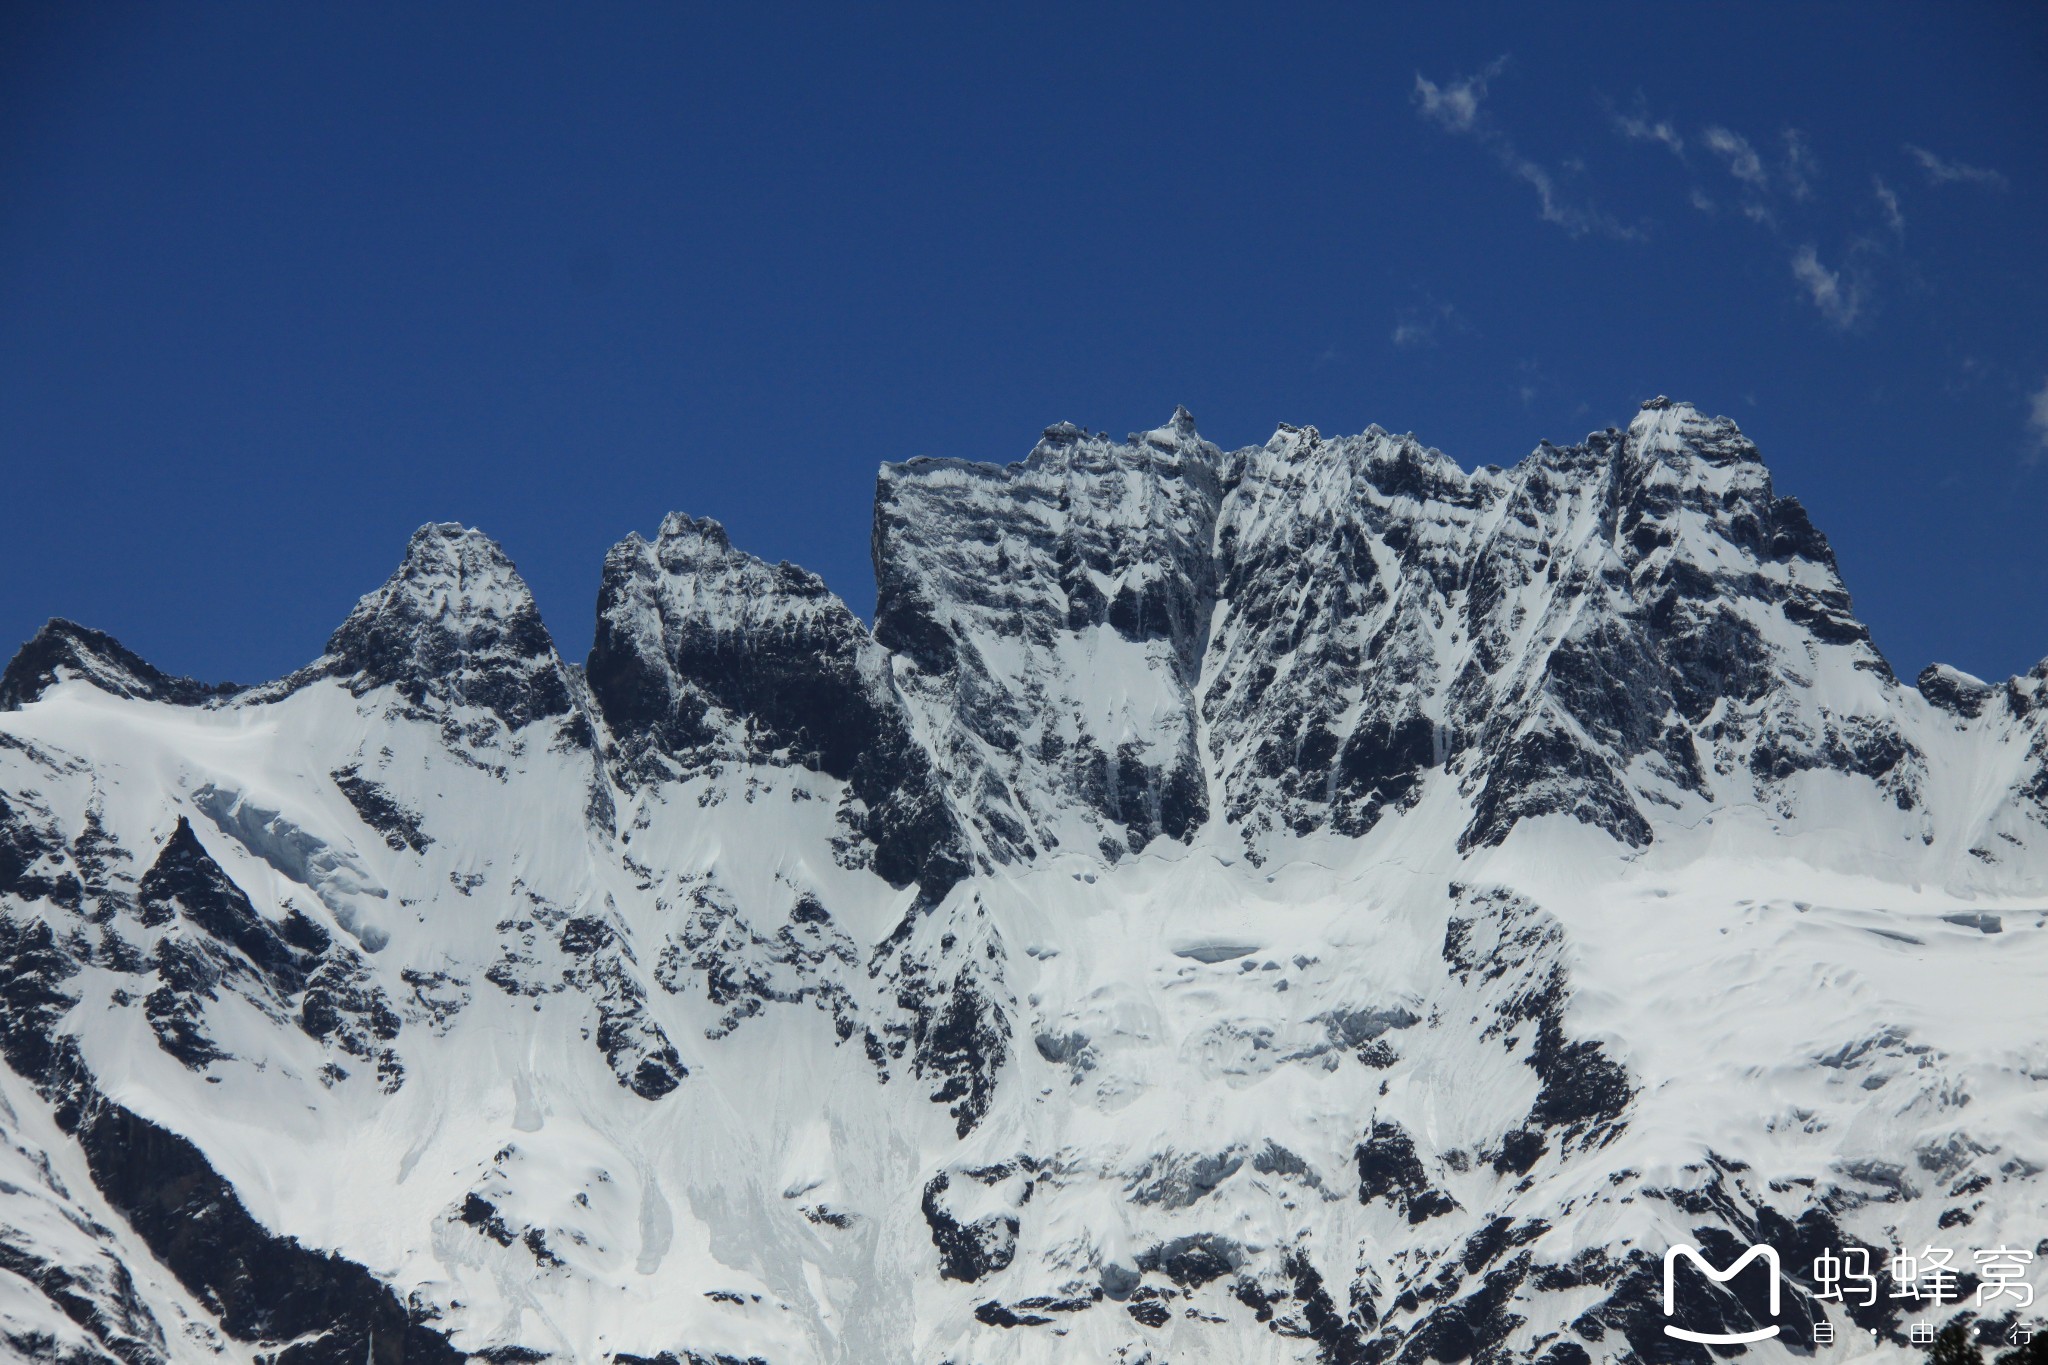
[{"x": 1306, "y": 903}]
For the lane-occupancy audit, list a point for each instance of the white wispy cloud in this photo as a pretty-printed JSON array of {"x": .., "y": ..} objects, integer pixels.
[
  {"x": 1455, "y": 106},
  {"x": 1743, "y": 162},
  {"x": 1800, "y": 165},
  {"x": 2037, "y": 423},
  {"x": 1418, "y": 326},
  {"x": 1640, "y": 127},
  {"x": 1550, "y": 208},
  {"x": 1943, "y": 172},
  {"x": 1889, "y": 202},
  {"x": 1839, "y": 299}
]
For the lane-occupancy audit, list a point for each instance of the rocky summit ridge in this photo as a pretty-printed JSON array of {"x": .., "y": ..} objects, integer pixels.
[{"x": 1310, "y": 902}]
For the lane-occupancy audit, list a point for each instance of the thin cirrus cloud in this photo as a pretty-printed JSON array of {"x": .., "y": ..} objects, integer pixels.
[
  {"x": 1795, "y": 171},
  {"x": 1455, "y": 106},
  {"x": 1416, "y": 327},
  {"x": 1640, "y": 127},
  {"x": 1889, "y": 202},
  {"x": 1941, "y": 171},
  {"x": 1840, "y": 295},
  {"x": 1839, "y": 298},
  {"x": 1781, "y": 186},
  {"x": 1409, "y": 333},
  {"x": 2037, "y": 424},
  {"x": 1770, "y": 182},
  {"x": 1741, "y": 158},
  {"x": 1800, "y": 165}
]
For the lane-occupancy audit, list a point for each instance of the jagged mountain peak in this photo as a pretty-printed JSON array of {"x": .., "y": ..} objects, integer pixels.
[
  {"x": 1677, "y": 429},
  {"x": 668, "y": 609},
  {"x": 706, "y": 655},
  {"x": 701, "y": 547},
  {"x": 1175, "y": 433},
  {"x": 1382, "y": 613},
  {"x": 682, "y": 530},
  {"x": 1066, "y": 448},
  {"x": 455, "y": 626},
  {"x": 458, "y": 571},
  {"x": 64, "y": 649}
]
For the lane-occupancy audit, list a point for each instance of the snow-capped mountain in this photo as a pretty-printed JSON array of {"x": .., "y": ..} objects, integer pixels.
[{"x": 1304, "y": 903}]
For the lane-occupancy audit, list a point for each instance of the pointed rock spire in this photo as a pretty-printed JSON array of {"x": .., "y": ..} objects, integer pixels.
[
  {"x": 455, "y": 625},
  {"x": 1176, "y": 432}
]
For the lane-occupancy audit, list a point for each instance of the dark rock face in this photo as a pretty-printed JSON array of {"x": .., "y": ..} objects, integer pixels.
[
  {"x": 959, "y": 1032},
  {"x": 1389, "y": 1169},
  {"x": 107, "y": 1305},
  {"x": 186, "y": 881},
  {"x": 33, "y": 861},
  {"x": 634, "y": 1046},
  {"x": 344, "y": 1006},
  {"x": 967, "y": 1251},
  {"x": 744, "y": 970},
  {"x": 33, "y": 1000},
  {"x": 1509, "y": 952},
  {"x": 943, "y": 970},
  {"x": 213, "y": 939},
  {"x": 688, "y": 624},
  {"x": 263, "y": 1287},
  {"x": 214, "y": 936},
  {"x": 1547, "y": 772},
  {"x": 1318, "y": 692},
  {"x": 1665, "y": 559},
  {"x": 1954, "y": 691},
  {"x": 1605, "y": 629},
  {"x": 1600, "y": 602},
  {"x": 1193, "y": 1260},
  {"x": 996, "y": 584},
  {"x": 267, "y": 1288},
  {"x": 382, "y": 812},
  {"x": 61, "y": 649},
  {"x": 2022, "y": 816},
  {"x": 454, "y": 628},
  {"x": 706, "y": 656},
  {"x": 599, "y": 970}
]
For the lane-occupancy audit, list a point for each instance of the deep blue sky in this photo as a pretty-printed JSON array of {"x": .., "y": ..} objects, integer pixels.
[{"x": 278, "y": 283}]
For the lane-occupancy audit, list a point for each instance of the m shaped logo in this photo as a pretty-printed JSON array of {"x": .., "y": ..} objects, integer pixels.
[{"x": 1768, "y": 1255}]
